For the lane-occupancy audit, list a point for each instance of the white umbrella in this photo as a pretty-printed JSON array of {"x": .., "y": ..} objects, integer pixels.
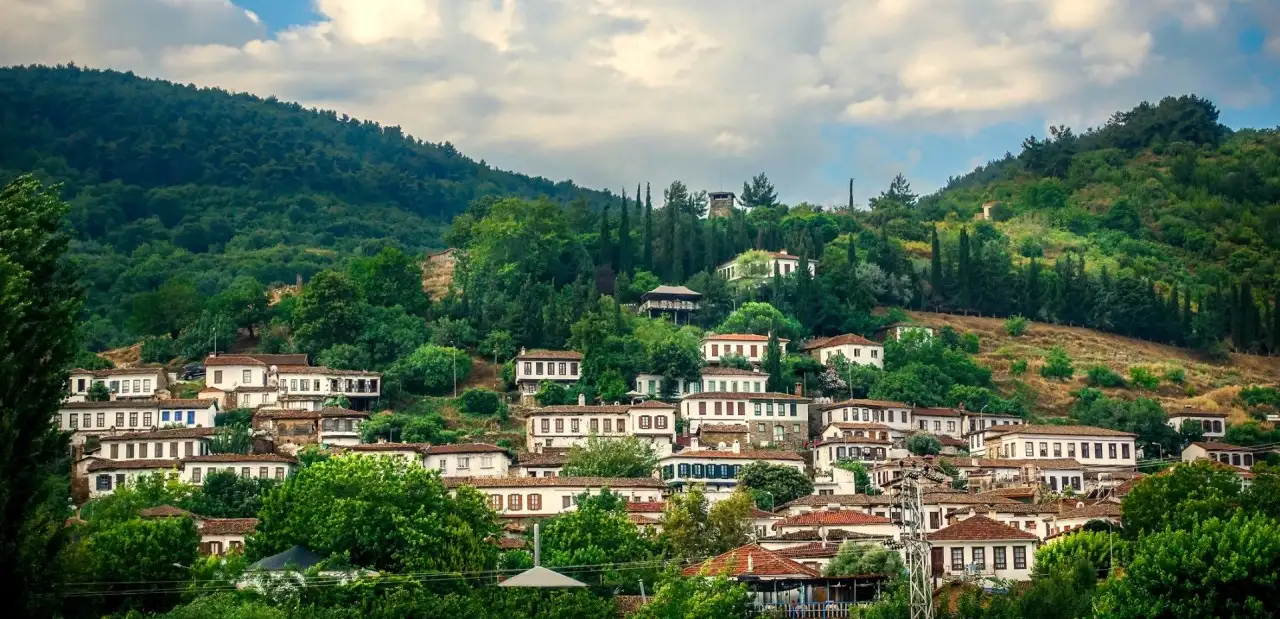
[{"x": 538, "y": 576}]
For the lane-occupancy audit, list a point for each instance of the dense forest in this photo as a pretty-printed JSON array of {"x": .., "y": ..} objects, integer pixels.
[{"x": 166, "y": 180}]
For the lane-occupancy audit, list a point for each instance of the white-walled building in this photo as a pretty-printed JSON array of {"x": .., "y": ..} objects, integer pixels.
[
  {"x": 896, "y": 415},
  {"x": 854, "y": 348},
  {"x": 569, "y": 425},
  {"x": 123, "y": 383},
  {"x": 85, "y": 419},
  {"x": 251, "y": 380},
  {"x": 549, "y": 463},
  {"x": 734, "y": 380},
  {"x": 1071, "y": 519},
  {"x": 413, "y": 453},
  {"x": 716, "y": 346},
  {"x": 982, "y": 548},
  {"x": 826, "y": 521},
  {"x": 772, "y": 419},
  {"x": 1235, "y": 455},
  {"x": 1214, "y": 425},
  {"x": 976, "y": 428},
  {"x": 469, "y": 460},
  {"x": 107, "y": 475},
  {"x": 1098, "y": 449},
  {"x": 866, "y": 449},
  {"x": 563, "y": 367},
  {"x": 340, "y": 427},
  {"x": 170, "y": 443},
  {"x": 525, "y": 497},
  {"x": 775, "y": 263},
  {"x": 1029, "y": 517},
  {"x": 940, "y": 421},
  {"x": 717, "y": 469},
  {"x": 261, "y": 466}
]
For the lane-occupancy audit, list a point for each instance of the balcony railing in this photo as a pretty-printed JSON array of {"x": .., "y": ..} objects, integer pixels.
[{"x": 811, "y": 610}]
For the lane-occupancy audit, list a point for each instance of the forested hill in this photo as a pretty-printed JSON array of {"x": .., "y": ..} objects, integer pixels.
[{"x": 165, "y": 178}]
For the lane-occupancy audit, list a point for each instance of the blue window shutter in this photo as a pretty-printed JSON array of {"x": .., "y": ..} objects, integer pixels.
[
  {"x": 697, "y": 470},
  {"x": 684, "y": 470},
  {"x": 164, "y": 415},
  {"x": 191, "y": 418}
]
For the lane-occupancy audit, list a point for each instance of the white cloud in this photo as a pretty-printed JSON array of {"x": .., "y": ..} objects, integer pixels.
[{"x": 610, "y": 91}]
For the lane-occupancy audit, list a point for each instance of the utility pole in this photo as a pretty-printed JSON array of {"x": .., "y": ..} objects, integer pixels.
[{"x": 915, "y": 548}]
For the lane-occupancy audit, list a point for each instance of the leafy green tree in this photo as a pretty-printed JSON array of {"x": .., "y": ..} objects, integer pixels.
[
  {"x": 406, "y": 428},
  {"x": 389, "y": 334},
  {"x": 331, "y": 310},
  {"x": 759, "y": 192},
  {"x": 693, "y": 528},
  {"x": 735, "y": 361},
  {"x": 861, "y": 478},
  {"x": 598, "y": 532},
  {"x": 778, "y": 482},
  {"x": 611, "y": 457},
  {"x": 209, "y": 332},
  {"x": 245, "y": 302},
  {"x": 551, "y": 394},
  {"x": 133, "y": 561},
  {"x": 226, "y": 606},
  {"x": 1096, "y": 547},
  {"x": 477, "y": 401},
  {"x": 1018, "y": 368},
  {"x": 498, "y": 343},
  {"x": 1181, "y": 497},
  {"x": 390, "y": 277},
  {"x": 448, "y": 332},
  {"x": 1103, "y": 376},
  {"x": 167, "y": 310},
  {"x": 924, "y": 444},
  {"x": 39, "y": 305},
  {"x": 860, "y": 559},
  {"x": 918, "y": 384},
  {"x": 696, "y": 598},
  {"x": 232, "y": 439},
  {"x": 1191, "y": 431},
  {"x": 1214, "y": 568},
  {"x": 430, "y": 370},
  {"x": 777, "y": 381},
  {"x": 1143, "y": 378},
  {"x": 1015, "y": 326},
  {"x": 224, "y": 494},
  {"x": 98, "y": 392},
  {"x": 157, "y": 350},
  {"x": 381, "y": 513},
  {"x": 761, "y": 319},
  {"x": 1057, "y": 365}
]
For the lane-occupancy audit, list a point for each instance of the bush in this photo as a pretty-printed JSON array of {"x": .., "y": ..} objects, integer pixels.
[
  {"x": 430, "y": 370},
  {"x": 1018, "y": 368},
  {"x": 1103, "y": 376},
  {"x": 1057, "y": 365},
  {"x": 158, "y": 350},
  {"x": 1143, "y": 378},
  {"x": 1176, "y": 375},
  {"x": 1015, "y": 326},
  {"x": 551, "y": 394},
  {"x": 970, "y": 343},
  {"x": 924, "y": 445},
  {"x": 479, "y": 402}
]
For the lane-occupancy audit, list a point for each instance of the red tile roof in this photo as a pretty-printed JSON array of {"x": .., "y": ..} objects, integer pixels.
[
  {"x": 642, "y": 519},
  {"x": 715, "y": 370},
  {"x": 853, "y": 440},
  {"x": 866, "y": 404},
  {"x": 750, "y": 560},
  {"x": 465, "y": 448},
  {"x": 375, "y": 447},
  {"x": 228, "y": 526},
  {"x": 1190, "y": 413},
  {"x": 840, "y": 340},
  {"x": 745, "y": 454},
  {"x": 337, "y": 411},
  {"x": 1061, "y": 430},
  {"x": 936, "y": 412},
  {"x": 1097, "y": 510},
  {"x": 844, "y": 500},
  {"x": 744, "y": 395},
  {"x": 166, "y": 433},
  {"x": 980, "y": 528},
  {"x": 570, "y": 482},
  {"x": 239, "y": 458},
  {"x": 814, "y": 550},
  {"x": 646, "y": 507},
  {"x": 732, "y": 428},
  {"x": 165, "y": 511},
  {"x": 740, "y": 337},
  {"x": 144, "y": 371},
  {"x": 132, "y": 465},
  {"x": 654, "y": 404},
  {"x": 828, "y": 518},
  {"x": 850, "y": 425},
  {"x": 285, "y": 413},
  {"x": 550, "y": 354},
  {"x": 139, "y": 404},
  {"x": 1216, "y": 446}
]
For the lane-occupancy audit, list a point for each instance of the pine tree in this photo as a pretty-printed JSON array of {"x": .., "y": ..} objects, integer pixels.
[
  {"x": 964, "y": 276},
  {"x": 1173, "y": 321},
  {"x": 773, "y": 363},
  {"x": 605, "y": 249},
  {"x": 1248, "y": 318},
  {"x": 648, "y": 227},
  {"x": 710, "y": 235},
  {"x": 935, "y": 268},
  {"x": 851, "y": 253},
  {"x": 624, "y": 238}
]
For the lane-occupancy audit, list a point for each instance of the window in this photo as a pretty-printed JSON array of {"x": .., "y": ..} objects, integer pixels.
[
  {"x": 924, "y": 425},
  {"x": 133, "y": 420},
  {"x": 102, "y": 420},
  {"x": 246, "y": 377},
  {"x": 486, "y": 462},
  {"x": 1111, "y": 451},
  {"x": 622, "y": 425},
  {"x": 1217, "y": 426},
  {"x": 173, "y": 449},
  {"x": 1097, "y": 451},
  {"x": 997, "y": 556},
  {"x": 702, "y": 408},
  {"x": 538, "y": 368},
  {"x": 757, "y": 409},
  {"x": 1124, "y": 451},
  {"x": 115, "y": 386},
  {"x": 137, "y": 385},
  {"x": 575, "y": 425},
  {"x": 535, "y": 502},
  {"x": 608, "y": 426},
  {"x": 595, "y": 426},
  {"x": 875, "y": 353},
  {"x": 866, "y": 414},
  {"x": 951, "y": 425},
  {"x": 1031, "y": 449},
  {"x": 546, "y": 426},
  {"x": 103, "y": 483},
  {"x": 652, "y": 387},
  {"x": 187, "y": 449},
  {"x": 1019, "y": 557},
  {"x": 495, "y": 502},
  {"x": 715, "y": 350},
  {"x": 528, "y": 368},
  {"x": 160, "y": 451},
  {"x": 768, "y": 409},
  {"x": 244, "y": 472},
  {"x": 262, "y": 472},
  {"x": 142, "y": 450},
  {"x": 73, "y": 421},
  {"x": 164, "y": 416},
  {"x": 464, "y": 462},
  {"x": 146, "y": 419},
  {"x": 562, "y": 369},
  {"x": 565, "y": 501},
  {"x": 760, "y": 427},
  {"x": 1057, "y": 450},
  {"x": 937, "y": 426},
  {"x": 697, "y": 471},
  {"x": 191, "y": 418},
  {"x": 718, "y": 408},
  {"x": 125, "y": 387},
  {"x": 115, "y": 449},
  {"x": 195, "y": 475},
  {"x": 514, "y": 502},
  {"x": 559, "y": 425},
  {"x": 935, "y": 520},
  {"x": 1044, "y": 449},
  {"x": 1235, "y": 459},
  {"x": 793, "y": 409},
  {"x": 957, "y": 559},
  {"x": 660, "y": 422},
  {"x": 217, "y": 377},
  {"x": 279, "y": 472},
  {"x": 1029, "y": 525},
  {"x": 1071, "y": 450}
]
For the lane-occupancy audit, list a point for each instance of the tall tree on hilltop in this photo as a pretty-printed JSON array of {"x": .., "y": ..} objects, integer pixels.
[
  {"x": 39, "y": 306},
  {"x": 773, "y": 363},
  {"x": 964, "y": 275},
  {"x": 648, "y": 226},
  {"x": 604, "y": 250},
  {"x": 759, "y": 192},
  {"x": 935, "y": 268},
  {"x": 624, "y": 238}
]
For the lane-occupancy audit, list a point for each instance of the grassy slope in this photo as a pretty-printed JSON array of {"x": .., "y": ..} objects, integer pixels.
[{"x": 1215, "y": 385}]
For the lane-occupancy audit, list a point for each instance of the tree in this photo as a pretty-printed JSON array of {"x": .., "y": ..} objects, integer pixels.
[
  {"x": 924, "y": 444},
  {"x": 760, "y": 319},
  {"x": 136, "y": 556},
  {"x": 330, "y": 310},
  {"x": 759, "y": 192},
  {"x": 389, "y": 278},
  {"x": 860, "y": 559},
  {"x": 167, "y": 310},
  {"x": 1095, "y": 547},
  {"x": 224, "y": 494},
  {"x": 692, "y": 528},
  {"x": 1103, "y": 376},
  {"x": 245, "y": 302},
  {"x": 604, "y": 251},
  {"x": 1187, "y": 494},
  {"x": 382, "y": 513},
  {"x": 598, "y": 532},
  {"x": 777, "y": 383},
  {"x": 431, "y": 370},
  {"x": 476, "y": 401},
  {"x": 778, "y": 482},
  {"x": 98, "y": 392},
  {"x": 407, "y": 428},
  {"x": 861, "y": 478},
  {"x": 607, "y": 457},
  {"x": 696, "y": 598},
  {"x": 1015, "y": 326},
  {"x": 1214, "y": 568},
  {"x": 39, "y": 305},
  {"x": 498, "y": 343},
  {"x": 551, "y": 394},
  {"x": 648, "y": 227},
  {"x": 232, "y": 439},
  {"x": 1057, "y": 365},
  {"x": 624, "y": 236}
]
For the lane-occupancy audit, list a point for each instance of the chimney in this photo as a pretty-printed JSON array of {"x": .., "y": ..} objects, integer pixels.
[
  {"x": 694, "y": 443},
  {"x": 582, "y": 399},
  {"x": 799, "y": 389},
  {"x": 751, "y": 563},
  {"x": 298, "y": 279},
  {"x": 522, "y": 351},
  {"x": 755, "y": 369},
  {"x": 737, "y": 447}
]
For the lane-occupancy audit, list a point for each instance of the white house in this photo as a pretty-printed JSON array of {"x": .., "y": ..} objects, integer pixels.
[
  {"x": 123, "y": 383},
  {"x": 1098, "y": 449},
  {"x": 854, "y": 348},
  {"x": 1235, "y": 455},
  {"x": 219, "y": 535},
  {"x": 772, "y": 418},
  {"x": 982, "y": 548},
  {"x": 107, "y": 475},
  {"x": 941, "y": 421},
  {"x": 716, "y": 346},
  {"x": 85, "y": 419},
  {"x": 566, "y": 426},
  {"x": 251, "y": 380},
  {"x": 734, "y": 380},
  {"x": 1070, "y": 519},
  {"x": 775, "y": 263},
  {"x": 413, "y": 453},
  {"x": 717, "y": 469},
  {"x": 469, "y": 460},
  {"x": 340, "y": 427},
  {"x": 866, "y": 449},
  {"x": 876, "y": 504},
  {"x": 1030, "y": 517},
  {"x": 896, "y": 415},
  {"x": 525, "y": 497},
  {"x": 262, "y": 466},
  {"x": 170, "y": 443},
  {"x": 535, "y": 366},
  {"x": 976, "y": 426},
  {"x": 549, "y": 463},
  {"x": 1214, "y": 425}
]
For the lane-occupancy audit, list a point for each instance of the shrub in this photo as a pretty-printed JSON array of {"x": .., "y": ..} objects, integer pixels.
[
  {"x": 1143, "y": 378},
  {"x": 1019, "y": 367},
  {"x": 158, "y": 350},
  {"x": 1057, "y": 365},
  {"x": 1176, "y": 375},
  {"x": 476, "y": 401},
  {"x": 1015, "y": 326},
  {"x": 1103, "y": 376},
  {"x": 924, "y": 444},
  {"x": 970, "y": 343}
]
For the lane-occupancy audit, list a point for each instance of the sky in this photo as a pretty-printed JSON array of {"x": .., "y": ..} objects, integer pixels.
[{"x": 609, "y": 93}]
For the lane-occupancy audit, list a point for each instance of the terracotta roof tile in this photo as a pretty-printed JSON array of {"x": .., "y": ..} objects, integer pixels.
[
  {"x": 853, "y": 440},
  {"x": 750, "y": 560},
  {"x": 585, "y": 409},
  {"x": 744, "y": 395},
  {"x": 740, "y": 337},
  {"x": 642, "y": 519},
  {"x": 165, "y": 511},
  {"x": 844, "y": 500},
  {"x": 936, "y": 412},
  {"x": 337, "y": 411},
  {"x": 866, "y": 404},
  {"x": 840, "y": 340},
  {"x": 980, "y": 528},
  {"x": 165, "y": 433},
  {"x": 543, "y": 459},
  {"x": 376, "y": 447},
  {"x": 745, "y": 454},
  {"x": 647, "y": 507},
  {"x": 828, "y": 518},
  {"x": 143, "y": 371},
  {"x": 1097, "y": 510},
  {"x": 723, "y": 427},
  {"x": 231, "y": 360},
  {"x": 550, "y": 354},
  {"x": 653, "y": 404},
  {"x": 815, "y": 550},
  {"x": 1062, "y": 430},
  {"x": 715, "y": 370},
  {"x": 139, "y": 404},
  {"x": 228, "y": 526},
  {"x": 465, "y": 448},
  {"x": 133, "y": 465},
  {"x": 239, "y": 458},
  {"x": 285, "y": 413},
  {"x": 1216, "y": 446},
  {"x": 851, "y": 425},
  {"x": 179, "y": 402},
  {"x": 569, "y": 482},
  {"x": 1186, "y": 412}
]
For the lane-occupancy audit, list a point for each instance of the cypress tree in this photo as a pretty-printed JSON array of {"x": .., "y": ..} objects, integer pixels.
[
  {"x": 1186, "y": 317},
  {"x": 648, "y": 226},
  {"x": 674, "y": 255},
  {"x": 1172, "y": 320},
  {"x": 851, "y": 253},
  {"x": 624, "y": 238},
  {"x": 773, "y": 362},
  {"x": 1275, "y": 324},
  {"x": 605, "y": 248},
  {"x": 963, "y": 276},
  {"x": 709, "y": 234},
  {"x": 935, "y": 268},
  {"x": 1248, "y": 318}
]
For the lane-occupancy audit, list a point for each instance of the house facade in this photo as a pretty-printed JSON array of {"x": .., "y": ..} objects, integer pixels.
[
  {"x": 772, "y": 419},
  {"x": 412, "y": 453},
  {"x": 854, "y": 348},
  {"x": 469, "y": 460},
  {"x": 868, "y": 450},
  {"x": 1098, "y": 449},
  {"x": 939, "y": 421},
  {"x": 983, "y": 549},
  {"x": 717, "y": 346},
  {"x": 717, "y": 469},
  {"x": 541, "y": 497},
  {"x": 675, "y": 302},
  {"x": 975, "y": 429},
  {"x": 827, "y": 521},
  {"x": 85, "y": 419},
  {"x": 535, "y": 366},
  {"x": 144, "y": 383},
  {"x": 776, "y": 263},
  {"x": 169, "y": 443},
  {"x": 1235, "y": 455},
  {"x": 570, "y": 425},
  {"x": 895, "y": 415},
  {"x": 1214, "y": 425},
  {"x": 286, "y": 381},
  {"x": 260, "y": 466}
]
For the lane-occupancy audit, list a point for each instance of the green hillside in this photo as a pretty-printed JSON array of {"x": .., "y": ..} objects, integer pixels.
[{"x": 166, "y": 179}]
